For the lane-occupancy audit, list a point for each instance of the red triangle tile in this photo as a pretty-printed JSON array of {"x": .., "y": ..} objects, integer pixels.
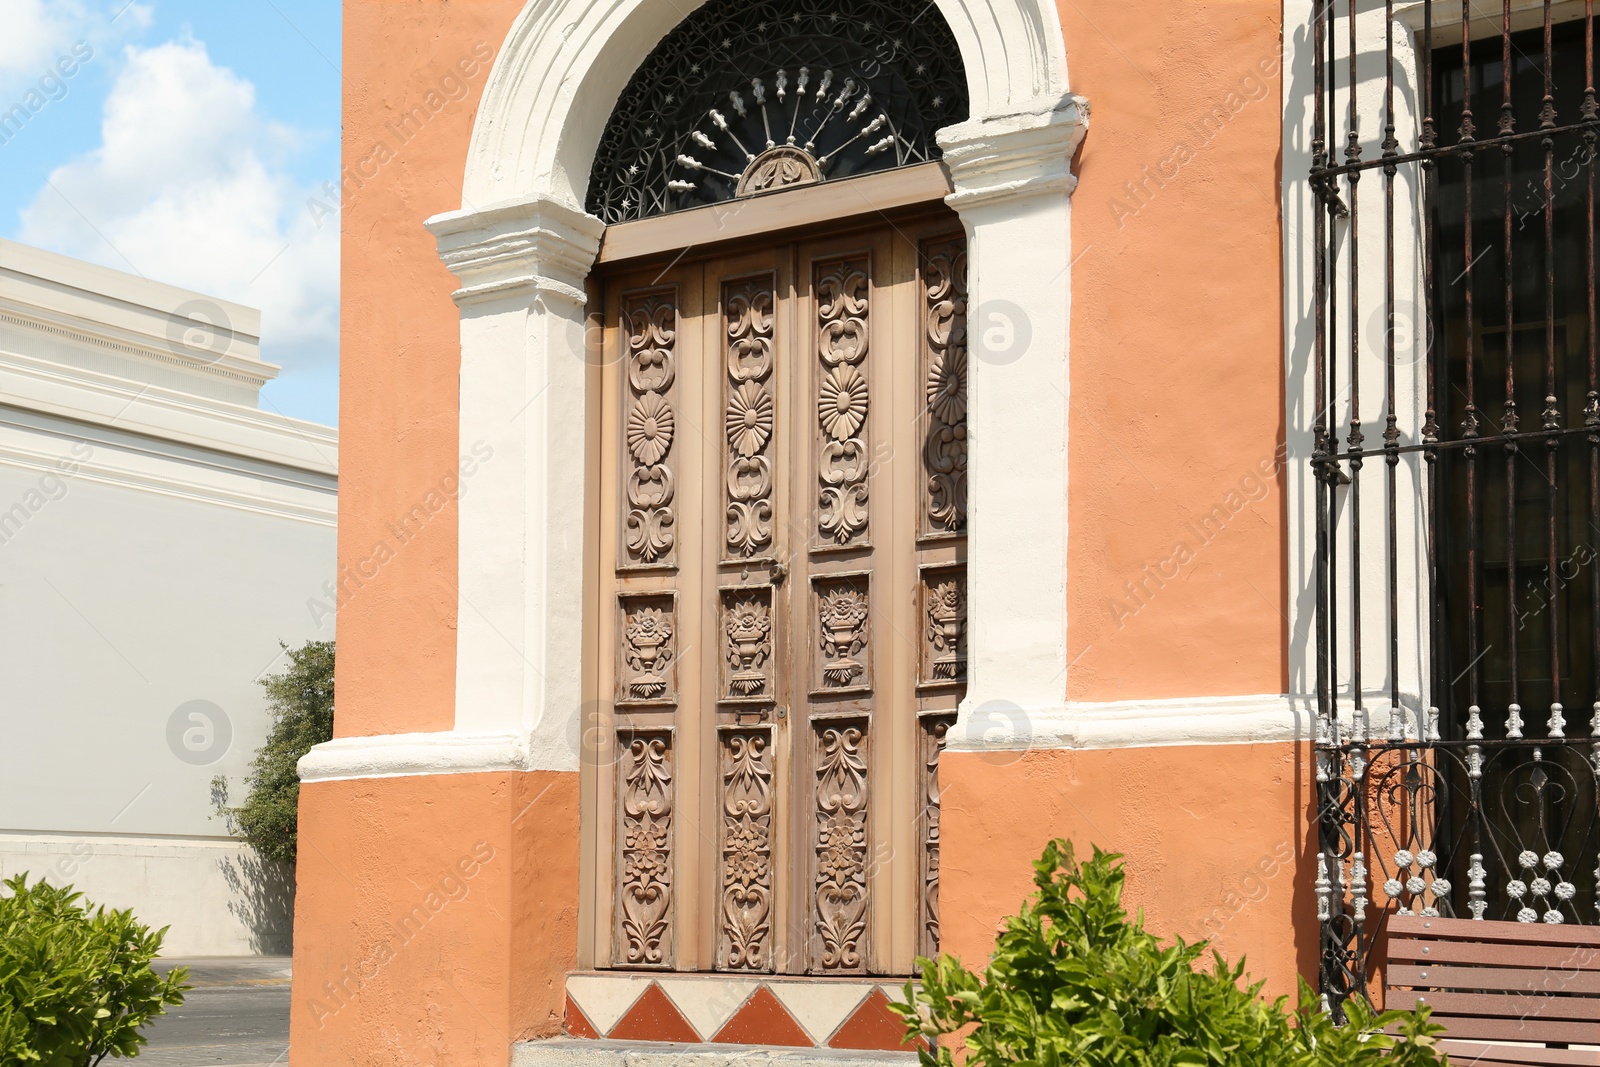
[
  {"x": 873, "y": 1026},
  {"x": 577, "y": 1024},
  {"x": 654, "y": 1017},
  {"x": 762, "y": 1020}
]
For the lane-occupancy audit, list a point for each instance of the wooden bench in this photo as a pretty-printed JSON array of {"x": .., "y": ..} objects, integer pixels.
[{"x": 1506, "y": 992}]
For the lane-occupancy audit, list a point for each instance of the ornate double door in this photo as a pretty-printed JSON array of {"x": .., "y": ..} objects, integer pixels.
[{"x": 781, "y": 602}]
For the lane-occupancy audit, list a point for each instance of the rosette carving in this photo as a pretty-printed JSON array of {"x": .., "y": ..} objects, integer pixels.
[
  {"x": 841, "y": 847},
  {"x": 649, "y": 429},
  {"x": 843, "y": 401},
  {"x": 644, "y": 876},
  {"x": 944, "y": 447},
  {"x": 746, "y": 928},
  {"x": 749, "y": 417}
]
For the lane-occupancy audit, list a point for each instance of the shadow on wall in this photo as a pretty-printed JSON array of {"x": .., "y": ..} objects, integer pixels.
[{"x": 261, "y": 897}]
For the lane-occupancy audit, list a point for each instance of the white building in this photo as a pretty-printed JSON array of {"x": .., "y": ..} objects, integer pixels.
[{"x": 159, "y": 536}]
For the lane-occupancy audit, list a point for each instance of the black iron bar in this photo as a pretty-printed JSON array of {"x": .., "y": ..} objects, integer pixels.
[
  {"x": 1352, "y": 153},
  {"x": 1463, "y": 148},
  {"x": 1332, "y": 275},
  {"x": 1547, "y": 122},
  {"x": 1476, "y": 442},
  {"x": 1319, "y": 431},
  {"x": 1591, "y": 408},
  {"x": 1391, "y": 430},
  {"x": 1430, "y": 425},
  {"x": 1470, "y": 424},
  {"x": 1508, "y": 423}
]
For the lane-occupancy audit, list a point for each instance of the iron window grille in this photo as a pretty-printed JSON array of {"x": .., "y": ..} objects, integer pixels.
[
  {"x": 1457, "y": 565},
  {"x": 745, "y": 97}
]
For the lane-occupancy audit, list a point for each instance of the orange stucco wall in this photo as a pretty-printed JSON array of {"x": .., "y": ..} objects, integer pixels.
[
  {"x": 436, "y": 918},
  {"x": 413, "y": 76},
  {"x": 1176, "y": 352},
  {"x": 1176, "y": 412},
  {"x": 1216, "y": 841}
]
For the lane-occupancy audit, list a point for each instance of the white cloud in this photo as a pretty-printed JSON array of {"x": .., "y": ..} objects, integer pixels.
[
  {"x": 188, "y": 187},
  {"x": 38, "y": 32}
]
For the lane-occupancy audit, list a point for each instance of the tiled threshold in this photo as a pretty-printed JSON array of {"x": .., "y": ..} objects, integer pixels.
[
  {"x": 710, "y": 1011},
  {"x": 570, "y": 1052}
]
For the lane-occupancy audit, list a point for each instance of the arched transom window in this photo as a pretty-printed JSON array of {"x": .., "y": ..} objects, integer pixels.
[{"x": 744, "y": 98}]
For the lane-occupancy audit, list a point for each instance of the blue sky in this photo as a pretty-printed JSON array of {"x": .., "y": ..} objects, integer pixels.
[{"x": 186, "y": 148}]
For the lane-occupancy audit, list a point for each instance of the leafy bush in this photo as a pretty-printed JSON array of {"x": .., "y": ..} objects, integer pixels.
[
  {"x": 75, "y": 986},
  {"x": 300, "y": 703},
  {"x": 1074, "y": 983}
]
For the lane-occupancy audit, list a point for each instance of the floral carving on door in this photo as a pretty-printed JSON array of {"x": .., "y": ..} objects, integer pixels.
[
  {"x": 841, "y": 847},
  {"x": 644, "y": 920},
  {"x": 842, "y": 400},
  {"x": 750, "y": 416},
  {"x": 746, "y": 928},
  {"x": 651, "y": 426}
]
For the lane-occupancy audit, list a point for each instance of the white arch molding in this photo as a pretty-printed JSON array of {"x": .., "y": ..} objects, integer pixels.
[{"x": 522, "y": 247}]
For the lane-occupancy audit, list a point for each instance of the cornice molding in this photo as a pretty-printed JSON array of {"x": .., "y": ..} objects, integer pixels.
[
  {"x": 252, "y": 372},
  {"x": 51, "y": 388},
  {"x": 1025, "y": 153},
  {"x": 538, "y": 246},
  {"x": 237, "y": 489}
]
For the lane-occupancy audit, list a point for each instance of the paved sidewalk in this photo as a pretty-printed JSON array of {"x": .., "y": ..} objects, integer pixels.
[{"x": 236, "y": 1015}]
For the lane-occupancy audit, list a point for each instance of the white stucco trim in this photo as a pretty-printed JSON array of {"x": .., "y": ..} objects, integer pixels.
[
  {"x": 522, "y": 248},
  {"x": 1225, "y": 720},
  {"x": 1299, "y": 219},
  {"x": 404, "y": 755},
  {"x": 565, "y": 63},
  {"x": 995, "y": 727}
]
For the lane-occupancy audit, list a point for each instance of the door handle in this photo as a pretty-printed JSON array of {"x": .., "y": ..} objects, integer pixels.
[{"x": 778, "y": 574}]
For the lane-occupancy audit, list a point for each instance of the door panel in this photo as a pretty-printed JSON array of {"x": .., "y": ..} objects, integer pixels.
[{"x": 781, "y": 629}]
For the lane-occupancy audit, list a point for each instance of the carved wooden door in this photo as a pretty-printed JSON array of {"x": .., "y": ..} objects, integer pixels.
[{"x": 781, "y": 608}]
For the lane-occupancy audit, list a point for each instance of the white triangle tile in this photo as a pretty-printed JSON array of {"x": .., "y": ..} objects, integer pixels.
[
  {"x": 895, "y": 993},
  {"x": 708, "y": 1003},
  {"x": 605, "y": 998},
  {"x": 820, "y": 1006}
]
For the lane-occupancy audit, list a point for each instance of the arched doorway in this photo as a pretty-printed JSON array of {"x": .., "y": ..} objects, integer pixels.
[{"x": 780, "y": 603}]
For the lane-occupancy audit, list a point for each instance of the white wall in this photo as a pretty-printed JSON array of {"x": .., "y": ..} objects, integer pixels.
[{"x": 156, "y": 545}]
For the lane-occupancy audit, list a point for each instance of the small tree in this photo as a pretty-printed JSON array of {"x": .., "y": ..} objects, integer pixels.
[
  {"x": 300, "y": 703},
  {"x": 1074, "y": 983},
  {"x": 75, "y": 986}
]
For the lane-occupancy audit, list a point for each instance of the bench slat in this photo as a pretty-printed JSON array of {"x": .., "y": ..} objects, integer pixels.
[
  {"x": 1473, "y": 1053},
  {"x": 1427, "y": 950},
  {"x": 1507, "y": 979},
  {"x": 1502, "y": 1029},
  {"x": 1521, "y": 1006},
  {"x": 1494, "y": 931}
]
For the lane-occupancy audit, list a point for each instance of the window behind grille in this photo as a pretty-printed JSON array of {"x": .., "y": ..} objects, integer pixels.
[{"x": 1457, "y": 477}]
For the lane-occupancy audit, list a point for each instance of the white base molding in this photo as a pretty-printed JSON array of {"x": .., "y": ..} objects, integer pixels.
[
  {"x": 1002, "y": 726},
  {"x": 996, "y": 726},
  {"x": 401, "y": 755}
]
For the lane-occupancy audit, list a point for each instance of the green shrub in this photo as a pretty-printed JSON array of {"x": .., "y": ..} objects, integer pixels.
[
  {"x": 75, "y": 986},
  {"x": 1074, "y": 983},
  {"x": 300, "y": 703}
]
